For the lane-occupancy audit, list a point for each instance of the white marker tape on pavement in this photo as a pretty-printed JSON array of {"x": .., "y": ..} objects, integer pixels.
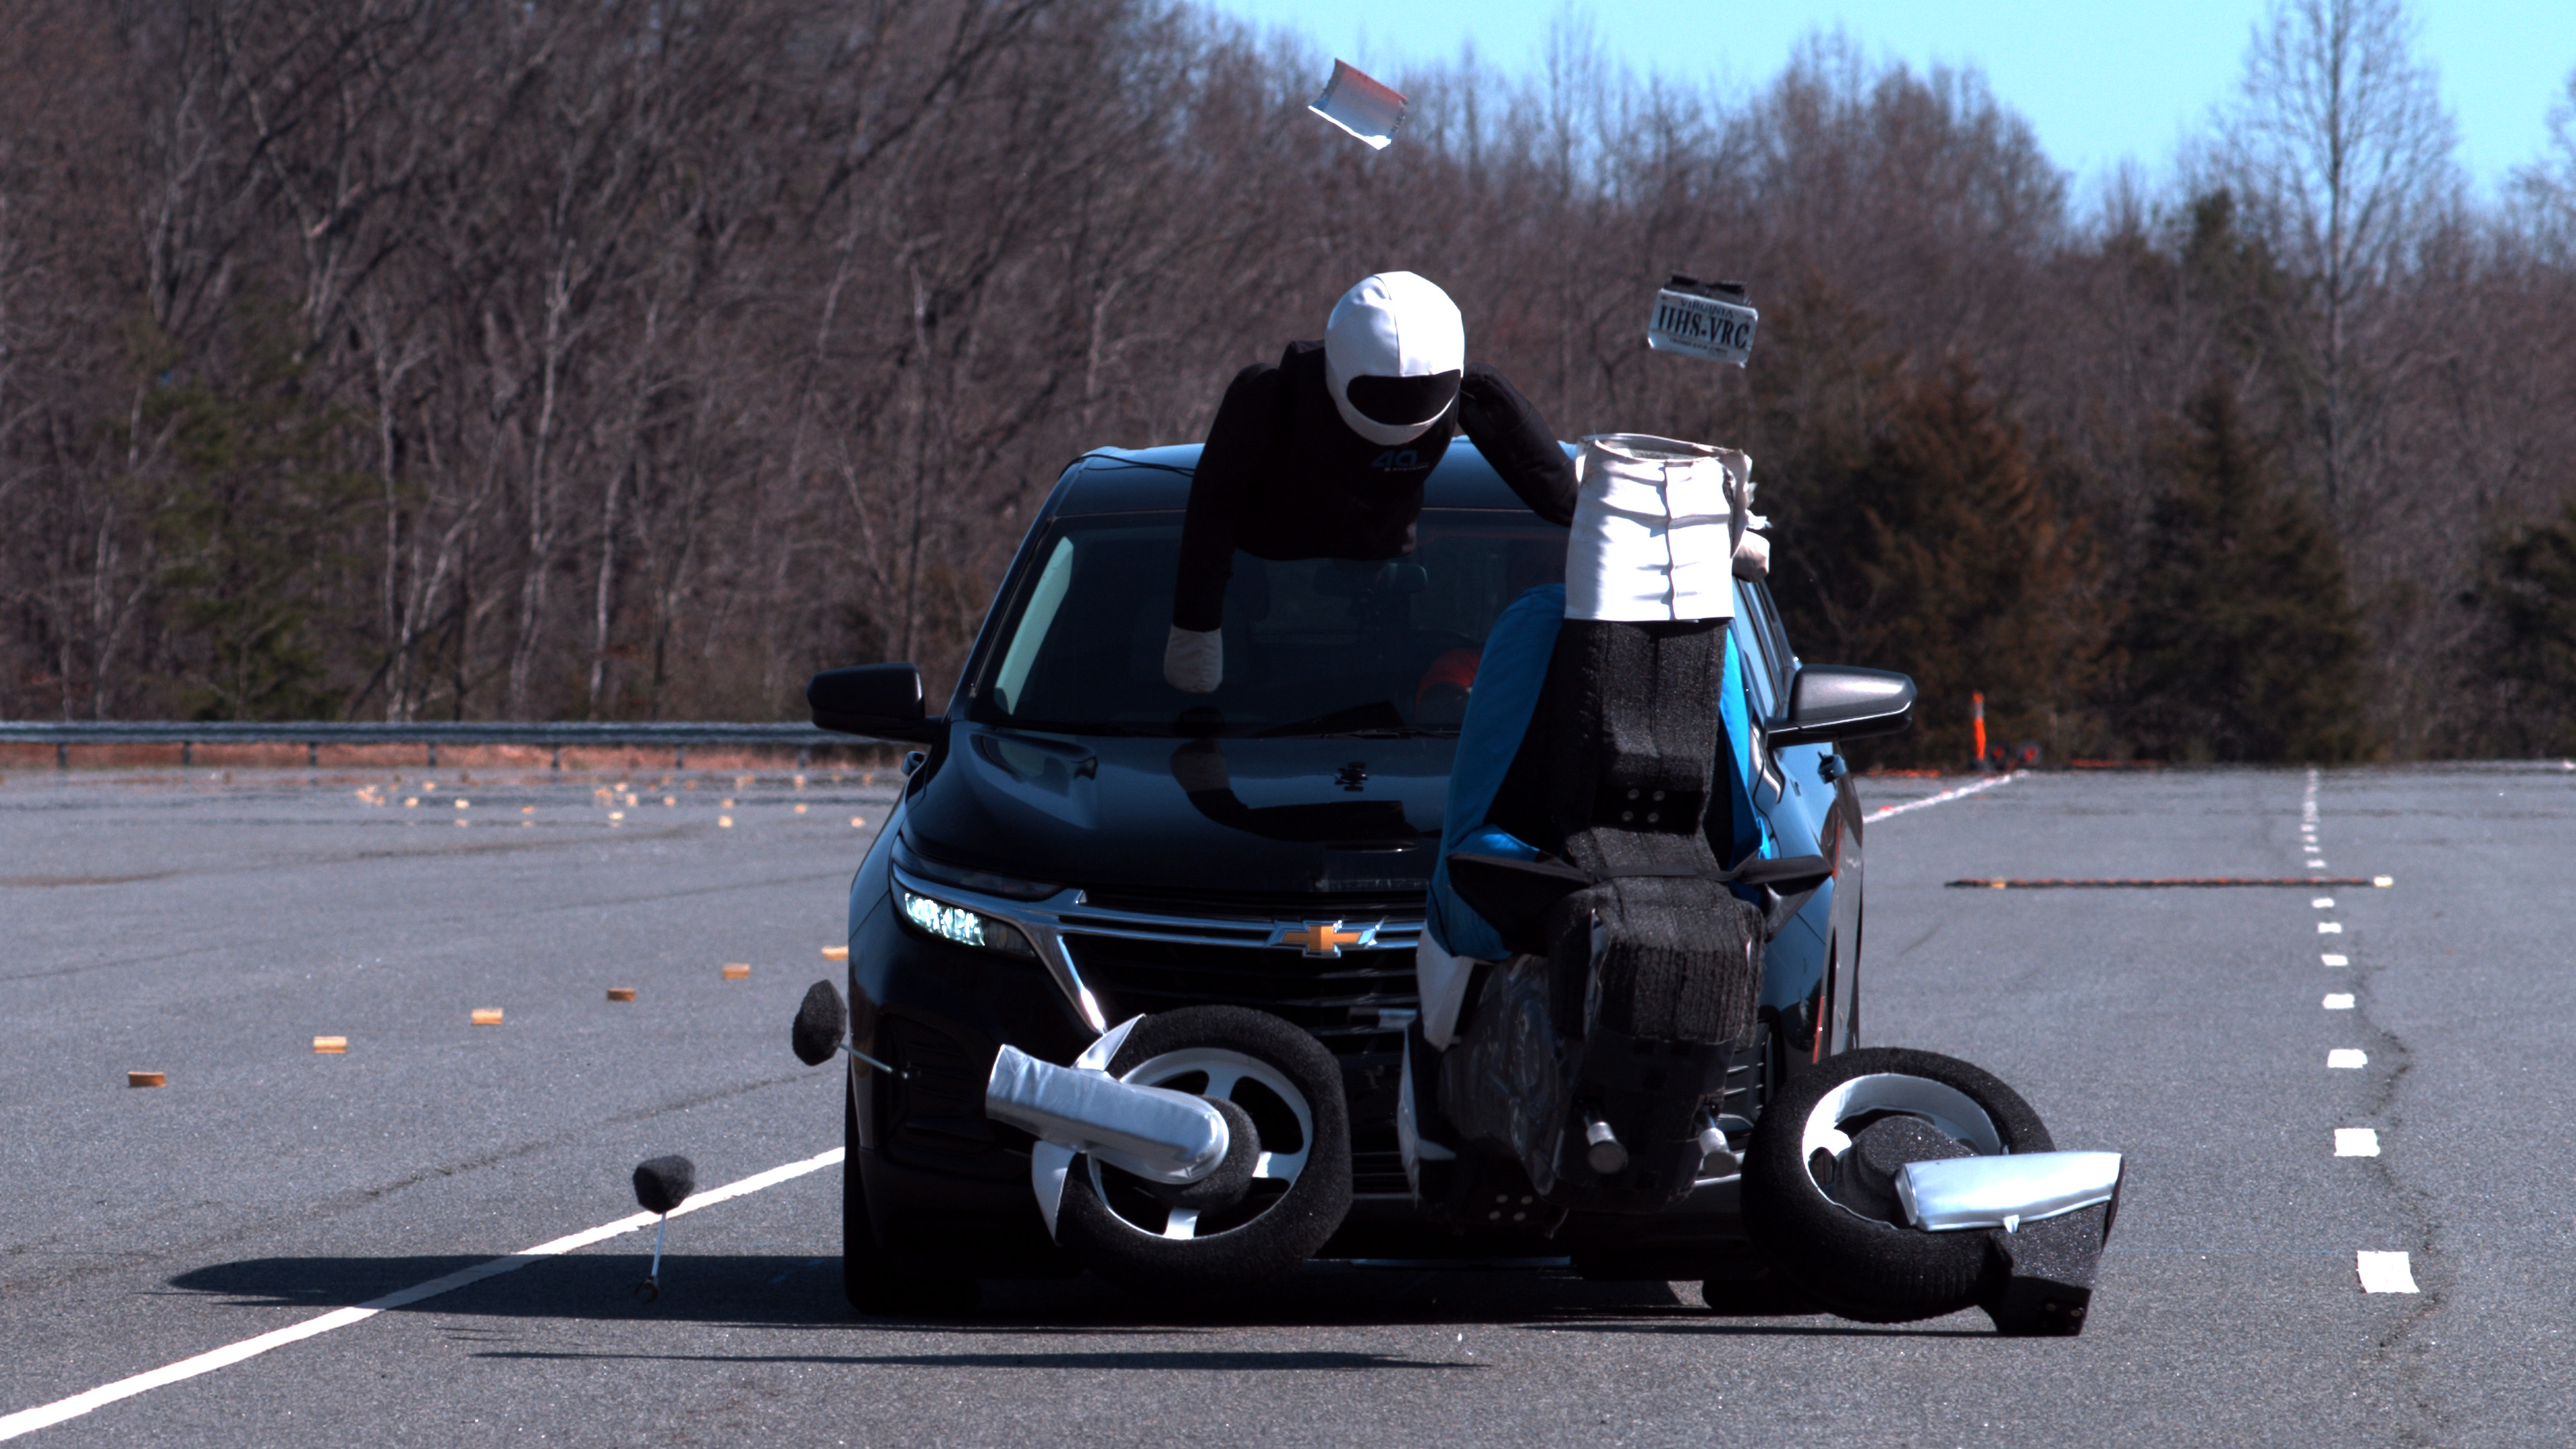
[
  {"x": 2331, "y": 959},
  {"x": 27, "y": 1421},
  {"x": 1961, "y": 793},
  {"x": 2356, "y": 1142},
  {"x": 2323, "y": 903},
  {"x": 2386, "y": 1273},
  {"x": 2329, "y": 928},
  {"x": 2346, "y": 1058},
  {"x": 2338, "y": 1001}
]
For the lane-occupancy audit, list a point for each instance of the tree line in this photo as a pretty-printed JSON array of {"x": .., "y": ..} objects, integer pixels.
[{"x": 404, "y": 359}]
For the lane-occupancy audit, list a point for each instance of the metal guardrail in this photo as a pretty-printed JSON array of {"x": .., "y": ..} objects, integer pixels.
[{"x": 313, "y": 734}]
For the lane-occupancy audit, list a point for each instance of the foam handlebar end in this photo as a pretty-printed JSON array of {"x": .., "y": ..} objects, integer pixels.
[
  {"x": 663, "y": 1183},
  {"x": 822, "y": 1019}
]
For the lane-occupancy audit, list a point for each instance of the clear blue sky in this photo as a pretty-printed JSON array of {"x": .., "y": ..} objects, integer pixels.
[{"x": 2097, "y": 81}]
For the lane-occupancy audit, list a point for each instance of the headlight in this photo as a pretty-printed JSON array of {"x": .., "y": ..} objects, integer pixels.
[{"x": 962, "y": 926}]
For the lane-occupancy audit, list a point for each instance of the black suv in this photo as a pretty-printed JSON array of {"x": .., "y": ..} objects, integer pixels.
[{"x": 1078, "y": 843}]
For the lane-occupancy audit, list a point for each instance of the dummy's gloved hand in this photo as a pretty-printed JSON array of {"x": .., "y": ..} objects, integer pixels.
[
  {"x": 1194, "y": 662},
  {"x": 1200, "y": 767}
]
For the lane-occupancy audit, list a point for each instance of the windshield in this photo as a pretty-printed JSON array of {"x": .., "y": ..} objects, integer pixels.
[{"x": 1319, "y": 646}]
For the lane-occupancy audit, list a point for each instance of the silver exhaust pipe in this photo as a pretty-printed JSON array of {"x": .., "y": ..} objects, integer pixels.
[
  {"x": 1157, "y": 1134},
  {"x": 1955, "y": 1193}
]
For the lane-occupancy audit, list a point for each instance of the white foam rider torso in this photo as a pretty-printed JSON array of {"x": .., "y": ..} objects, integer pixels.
[{"x": 1656, "y": 523}]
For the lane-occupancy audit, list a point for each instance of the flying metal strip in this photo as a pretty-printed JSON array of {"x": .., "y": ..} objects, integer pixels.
[{"x": 2195, "y": 881}]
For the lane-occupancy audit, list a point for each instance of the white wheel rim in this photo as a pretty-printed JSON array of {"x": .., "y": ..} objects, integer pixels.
[
  {"x": 1225, "y": 1071},
  {"x": 1952, "y": 1113}
]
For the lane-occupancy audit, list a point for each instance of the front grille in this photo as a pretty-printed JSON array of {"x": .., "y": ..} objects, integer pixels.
[
  {"x": 1338, "y": 999},
  {"x": 934, "y": 1100},
  {"x": 1335, "y": 997}
]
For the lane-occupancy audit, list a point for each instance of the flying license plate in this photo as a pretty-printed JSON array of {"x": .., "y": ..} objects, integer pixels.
[{"x": 1696, "y": 326}]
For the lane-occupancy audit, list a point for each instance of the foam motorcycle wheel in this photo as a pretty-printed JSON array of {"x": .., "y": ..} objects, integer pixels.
[
  {"x": 871, "y": 1278},
  {"x": 1855, "y": 1266},
  {"x": 1120, "y": 1227}
]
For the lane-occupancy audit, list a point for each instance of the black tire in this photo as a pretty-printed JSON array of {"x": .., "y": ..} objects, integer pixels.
[
  {"x": 1272, "y": 1230},
  {"x": 1857, "y": 1267},
  {"x": 870, "y": 1277}
]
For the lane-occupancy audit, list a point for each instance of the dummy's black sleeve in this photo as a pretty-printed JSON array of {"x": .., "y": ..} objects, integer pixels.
[
  {"x": 1508, "y": 430},
  {"x": 1229, "y": 470}
]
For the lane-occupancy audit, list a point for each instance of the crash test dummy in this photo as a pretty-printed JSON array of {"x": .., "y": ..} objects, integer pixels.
[{"x": 1323, "y": 456}]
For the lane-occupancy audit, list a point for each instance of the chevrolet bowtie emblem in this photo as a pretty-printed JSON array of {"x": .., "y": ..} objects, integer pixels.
[{"x": 1324, "y": 938}]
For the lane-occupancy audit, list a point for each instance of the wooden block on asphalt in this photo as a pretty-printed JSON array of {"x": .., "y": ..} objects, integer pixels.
[
  {"x": 621, "y": 993},
  {"x": 487, "y": 1016},
  {"x": 146, "y": 1079},
  {"x": 737, "y": 972},
  {"x": 836, "y": 953},
  {"x": 332, "y": 1046}
]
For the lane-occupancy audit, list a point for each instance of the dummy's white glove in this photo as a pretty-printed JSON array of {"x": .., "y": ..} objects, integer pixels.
[
  {"x": 1753, "y": 556},
  {"x": 1193, "y": 662},
  {"x": 1201, "y": 769}
]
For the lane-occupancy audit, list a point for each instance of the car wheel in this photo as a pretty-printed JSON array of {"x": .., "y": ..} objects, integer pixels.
[
  {"x": 1290, "y": 1088},
  {"x": 871, "y": 1278},
  {"x": 1845, "y": 1247}
]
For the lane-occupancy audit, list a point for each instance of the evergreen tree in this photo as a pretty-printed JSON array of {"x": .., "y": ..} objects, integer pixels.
[
  {"x": 2239, "y": 644},
  {"x": 1940, "y": 552},
  {"x": 2527, "y": 603}
]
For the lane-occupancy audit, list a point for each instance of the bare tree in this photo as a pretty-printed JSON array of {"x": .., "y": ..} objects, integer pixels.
[{"x": 2339, "y": 140}]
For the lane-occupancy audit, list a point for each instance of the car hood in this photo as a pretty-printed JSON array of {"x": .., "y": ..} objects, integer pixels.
[{"x": 1233, "y": 816}]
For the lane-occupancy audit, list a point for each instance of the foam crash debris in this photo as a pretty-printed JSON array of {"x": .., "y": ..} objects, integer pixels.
[
  {"x": 737, "y": 971},
  {"x": 331, "y": 1046},
  {"x": 836, "y": 953},
  {"x": 487, "y": 1016}
]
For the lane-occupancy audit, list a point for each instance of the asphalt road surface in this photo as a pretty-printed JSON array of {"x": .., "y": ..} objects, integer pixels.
[{"x": 210, "y": 928}]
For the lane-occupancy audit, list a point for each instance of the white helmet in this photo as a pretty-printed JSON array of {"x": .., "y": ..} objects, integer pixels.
[{"x": 1393, "y": 354}]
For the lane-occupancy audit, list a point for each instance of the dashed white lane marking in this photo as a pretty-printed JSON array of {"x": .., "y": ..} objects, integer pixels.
[
  {"x": 2329, "y": 928},
  {"x": 2385, "y": 1273},
  {"x": 2344, "y": 1058},
  {"x": 2323, "y": 903},
  {"x": 2356, "y": 1142},
  {"x": 27, "y": 1421},
  {"x": 1961, "y": 793},
  {"x": 2334, "y": 959},
  {"x": 2338, "y": 1001}
]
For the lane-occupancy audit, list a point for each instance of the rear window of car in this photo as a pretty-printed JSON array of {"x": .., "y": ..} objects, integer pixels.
[{"x": 1317, "y": 646}]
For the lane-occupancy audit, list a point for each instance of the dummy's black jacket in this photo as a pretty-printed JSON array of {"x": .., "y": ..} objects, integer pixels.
[{"x": 1282, "y": 477}]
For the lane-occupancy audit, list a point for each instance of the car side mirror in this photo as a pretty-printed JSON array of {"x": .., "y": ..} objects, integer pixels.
[
  {"x": 1833, "y": 702},
  {"x": 880, "y": 700}
]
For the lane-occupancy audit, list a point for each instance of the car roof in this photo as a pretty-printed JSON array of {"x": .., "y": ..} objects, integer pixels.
[{"x": 1138, "y": 480}]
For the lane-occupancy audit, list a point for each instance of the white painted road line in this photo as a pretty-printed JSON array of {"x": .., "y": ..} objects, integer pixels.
[
  {"x": 2331, "y": 959},
  {"x": 1961, "y": 793},
  {"x": 27, "y": 1421},
  {"x": 2386, "y": 1273},
  {"x": 2346, "y": 1058},
  {"x": 2329, "y": 928},
  {"x": 2338, "y": 1001},
  {"x": 2356, "y": 1142}
]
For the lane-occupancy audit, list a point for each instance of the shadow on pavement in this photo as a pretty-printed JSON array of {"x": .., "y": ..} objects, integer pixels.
[{"x": 782, "y": 1291}]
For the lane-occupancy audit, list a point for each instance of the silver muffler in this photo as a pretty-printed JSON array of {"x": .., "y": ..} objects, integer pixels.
[
  {"x": 1161, "y": 1135},
  {"x": 1158, "y": 1134},
  {"x": 1956, "y": 1193}
]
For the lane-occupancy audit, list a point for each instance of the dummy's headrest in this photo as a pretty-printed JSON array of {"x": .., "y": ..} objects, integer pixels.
[{"x": 1393, "y": 354}]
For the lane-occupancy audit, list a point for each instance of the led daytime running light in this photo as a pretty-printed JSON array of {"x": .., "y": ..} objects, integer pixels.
[{"x": 962, "y": 926}]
